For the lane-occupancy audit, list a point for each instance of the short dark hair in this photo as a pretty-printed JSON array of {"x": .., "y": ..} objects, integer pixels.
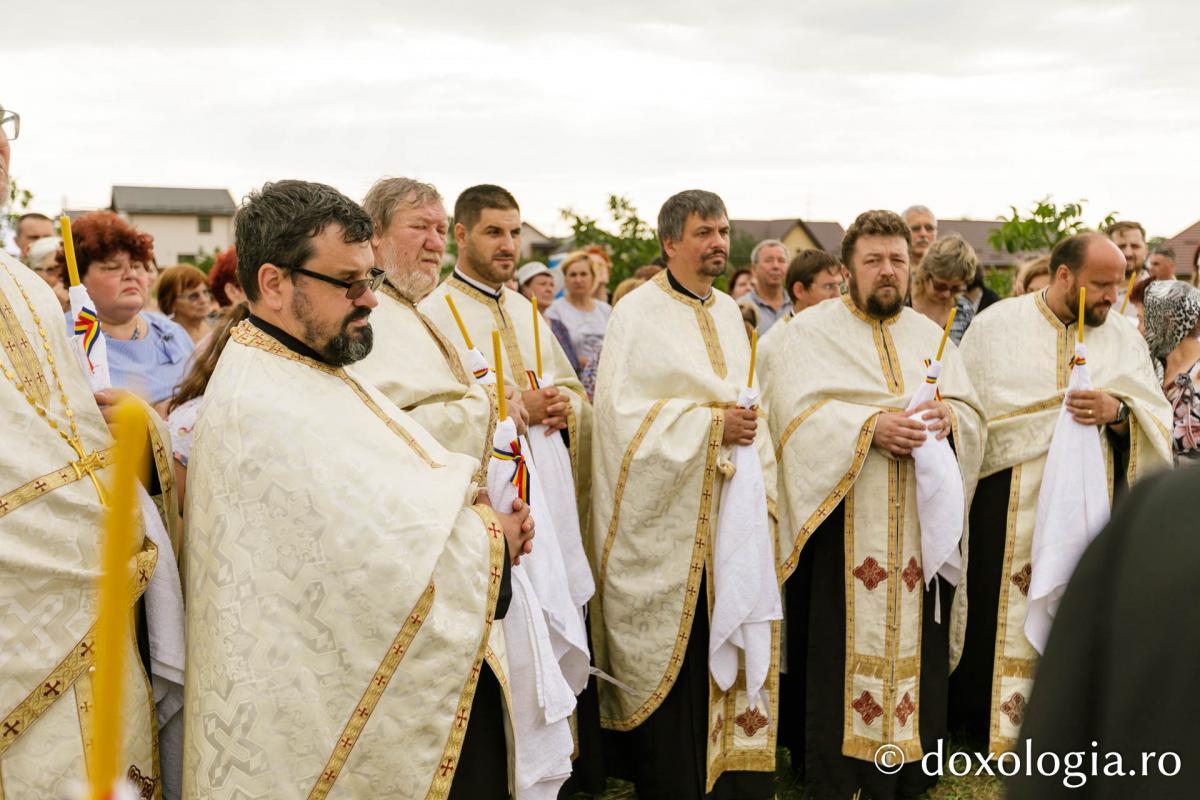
[
  {"x": 277, "y": 223},
  {"x": 32, "y": 215},
  {"x": 1125, "y": 225},
  {"x": 1163, "y": 250},
  {"x": 874, "y": 223},
  {"x": 1071, "y": 252},
  {"x": 806, "y": 266},
  {"x": 469, "y": 206},
  {"x": 674, "y": 213}
]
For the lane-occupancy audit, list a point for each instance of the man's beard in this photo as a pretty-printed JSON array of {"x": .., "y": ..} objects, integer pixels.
[
  {"x": 487, "y": 269},
  {"x": 710, "y": 266},
  {"x": 414, "y": 282},
  {"x": 874, "y": 305},
  {"x": 344, "y": 347}
]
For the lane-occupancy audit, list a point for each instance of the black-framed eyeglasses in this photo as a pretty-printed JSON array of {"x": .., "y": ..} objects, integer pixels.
[
  {"x": 10, "y": 123},
  {"x": 354, "y": 289}
]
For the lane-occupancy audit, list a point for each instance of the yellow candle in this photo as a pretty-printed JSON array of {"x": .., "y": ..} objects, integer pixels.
[
  {"x": 499, "y": 374},
  {"x": 112, "y": 627},
  {"x": 753, "y": 354},
  {"x": 1128, "y": 291},
  {"x": 1082, "y": 295},
  {"x": 69, "y": 249},
  {"x": 537, "y": 339},
  {"x": 462, "y": 328},
  {"x": 945, "y": 334}
]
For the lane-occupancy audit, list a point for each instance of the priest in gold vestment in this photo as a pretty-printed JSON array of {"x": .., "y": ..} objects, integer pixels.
[
  {"x": 868, "y": 640},
  {"x": 675, "y": 359},
  {"x": 1019, "y": 356},
  {"x": 54, "y": 462},
  {"x": 342, "y": 580},
  {"x": 415, "y": 364}
]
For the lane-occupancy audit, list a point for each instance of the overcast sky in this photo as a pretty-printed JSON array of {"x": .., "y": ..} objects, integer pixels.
[{"x": 786, "y": 109}]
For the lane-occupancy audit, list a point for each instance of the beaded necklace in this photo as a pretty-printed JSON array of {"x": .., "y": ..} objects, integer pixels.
[{"x": 87, "y": 463}]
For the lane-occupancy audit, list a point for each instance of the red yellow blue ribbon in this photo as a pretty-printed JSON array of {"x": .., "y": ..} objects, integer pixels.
[
  {"x": 520, "y": 476},
  {"x": 87, "y": 325}
]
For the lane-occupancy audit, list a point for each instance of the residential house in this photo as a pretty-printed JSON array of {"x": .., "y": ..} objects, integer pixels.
[
  {"x": 1186, "y": 245},
  {"x": 797, "y": 234},
  {"x": 187, "y": 224}
]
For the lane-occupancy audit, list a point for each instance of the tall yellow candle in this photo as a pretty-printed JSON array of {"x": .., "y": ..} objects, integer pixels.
[
  {"x": 461, "y": 328},
  {"x": 945, "y": 334},
  {"x": 537, "y": 340},
  {"x": 1082, "y": 295},
  {"x": 1128, "y": 291},
  {"x": 69, "y": 249},
  {"x": 499, "y": 376},
  {"x": 112, "y": 627},
  {"x": 753, "y": 355}
]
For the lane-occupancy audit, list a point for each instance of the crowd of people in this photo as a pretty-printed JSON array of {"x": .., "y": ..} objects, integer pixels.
[{"x": 497, "y": 532}]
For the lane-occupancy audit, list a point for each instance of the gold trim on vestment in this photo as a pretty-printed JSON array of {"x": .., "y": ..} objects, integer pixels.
[
  {"x": 81, "y": 656},
  {"x": 695, "y": 570},
  {"x": 72, "y": 472},
  {"x": 826, "y": 507},
  {"x": 1044, "y": 405},
  {"x": 796, "y": 423},
  {"x": 248, "y": 334},
  {"x": 85, "y": 705},
  {"x": 15, "y": 343},
  {"x": 619, "y": 493},
  {"x": 1000, "y": 662},
  {"x": 704, "y": 320},
  {"x": 443, "y": 775},
  {"x": 1064, "y": 349},
  {"x": 508, "y": 337},
  {"x": 453, "y": 361},
  {"x": 371, "y": 696}
]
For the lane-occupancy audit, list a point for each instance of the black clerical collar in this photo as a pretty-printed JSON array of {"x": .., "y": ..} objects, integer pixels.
[
  {"x": 679, "y": 287},
  {"x": 287, "y": 340},
  {"x": 482, "y": 287}
]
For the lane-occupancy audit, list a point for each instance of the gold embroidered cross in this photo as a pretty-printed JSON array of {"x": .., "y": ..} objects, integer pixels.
[{"x": 89, "y": 464}]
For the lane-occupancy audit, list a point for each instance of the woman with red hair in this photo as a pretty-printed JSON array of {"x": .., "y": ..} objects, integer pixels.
[
  {"x": 147, "y": 353},
  {"x": 223, "y": 279}
]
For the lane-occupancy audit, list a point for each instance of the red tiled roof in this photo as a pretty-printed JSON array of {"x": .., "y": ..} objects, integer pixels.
[
  {"x": 976, "y": 232},
  {"x": 1186, "y": 245}
]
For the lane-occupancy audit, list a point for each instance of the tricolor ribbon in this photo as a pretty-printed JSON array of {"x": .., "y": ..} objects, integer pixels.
[
  {"x": 87, "y": 325},
  {"x": 520, "y": 476},
  {"x": 937, "y": 393},
  {"x": 534, "y": 383}
]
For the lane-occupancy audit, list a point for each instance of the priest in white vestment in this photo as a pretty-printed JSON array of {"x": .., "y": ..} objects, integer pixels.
[
  {"x": 342, "y": 579},
  {"x": 54, "y": 466},
  {"x": 867, "y": 636},
  {"x": 487, "y": 230},
  {"x": 676, "y": 359},
  {"x": 1019, "y": 356},
  {"x": 415, "y": 364}
]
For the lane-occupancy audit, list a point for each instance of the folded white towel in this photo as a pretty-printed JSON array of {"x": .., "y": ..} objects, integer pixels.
[{"x": 746, "y": 589}]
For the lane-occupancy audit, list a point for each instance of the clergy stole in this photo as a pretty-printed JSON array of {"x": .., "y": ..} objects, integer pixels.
[
  {"x": 419, "y": 369},
  {"x": 834, "y": 371},
  {"x": 1018, "y": 355},
  {"x": 671, "y": 366},
  {"x": 340, "y": 590},
  {"x": 50, "y": 522}
]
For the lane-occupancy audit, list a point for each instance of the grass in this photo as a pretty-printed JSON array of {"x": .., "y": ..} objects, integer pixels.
[{"x": 787, "y": 787}]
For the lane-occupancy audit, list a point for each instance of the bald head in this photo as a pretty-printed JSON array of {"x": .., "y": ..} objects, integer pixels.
[{"x": 1089, "y": 261}]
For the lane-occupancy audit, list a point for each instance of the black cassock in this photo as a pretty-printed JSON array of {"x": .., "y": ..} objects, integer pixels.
[
  {"x": 1123, "y": 658},
  {"x": 811, "y": 701}
]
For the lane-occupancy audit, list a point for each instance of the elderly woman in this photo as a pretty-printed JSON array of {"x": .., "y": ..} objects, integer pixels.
[
  {"x": 147, "y": 353},
  {"x": 583, "y": 316},
  {"x": 940, "y": 281},
  {"x": 184, "y": 296},
  {"x": 41, "y": 259},
  {"x": 1171, "y": 318}
]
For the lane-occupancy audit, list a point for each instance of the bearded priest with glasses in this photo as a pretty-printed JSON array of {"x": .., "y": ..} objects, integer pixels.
[{"x": 342, "y": 579}]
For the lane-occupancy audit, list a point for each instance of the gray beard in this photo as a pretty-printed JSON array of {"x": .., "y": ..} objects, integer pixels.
[{"x": 413, "y": 285}]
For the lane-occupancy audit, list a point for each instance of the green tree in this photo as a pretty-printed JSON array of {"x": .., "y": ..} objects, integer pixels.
[
  {"x": 633, "y": 244},
  {"x": 1044, "y": 226},
  {"x": 19, "y": 200}
]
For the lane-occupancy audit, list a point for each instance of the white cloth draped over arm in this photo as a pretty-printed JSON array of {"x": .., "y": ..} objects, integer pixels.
[
  {"x": 1072, "y": 508},
  {"x": 746, "y": 597}
]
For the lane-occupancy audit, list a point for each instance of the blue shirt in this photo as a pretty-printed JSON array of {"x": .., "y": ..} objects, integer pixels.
[{"x": 154, "y": 365}]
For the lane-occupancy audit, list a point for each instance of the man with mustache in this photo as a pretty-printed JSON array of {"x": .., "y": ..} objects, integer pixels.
[
  {"x": 1019, "y": 356},
  {"x": 342, "y": 584},
  {"x": 675, "y": 362},
  {"x": 487, "y": 228},
  {"x": 412, "y": 362},
  {"x": 1130, "y": 237},
  {"x": 868, "y": 637}
]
